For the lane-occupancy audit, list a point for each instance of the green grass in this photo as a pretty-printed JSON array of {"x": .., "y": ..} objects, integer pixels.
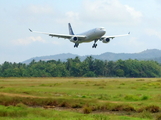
[
  {"x": 22, "y": 112},
  {"x": 102, "y": 98}
]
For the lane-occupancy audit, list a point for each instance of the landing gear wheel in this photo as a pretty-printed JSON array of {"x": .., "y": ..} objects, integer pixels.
[
  {"x": 94, "y": 46},
  {"x": 76, "y": 45}
]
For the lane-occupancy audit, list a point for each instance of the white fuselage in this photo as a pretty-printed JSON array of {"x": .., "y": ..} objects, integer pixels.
[
  {"x": 89, "y": 36},
  {"x": 93, "y": 34}
]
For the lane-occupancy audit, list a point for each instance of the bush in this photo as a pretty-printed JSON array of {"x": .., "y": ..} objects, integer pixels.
[
  {"x": 12, "y": 111},
  {"x": 146, "y": 114},
  {"x": 64, "y": 104},
  {"x": 76, "y": 105},
  {"x": 123, "y": 108},
  {"x": 151, "y": 108},
  {"x": 87, "y": 110},
  {"x": 89, "y": 74},
  {"x": 158, "y": 117},
  {"x": 21, "y": 105},
  {"x": 136, "y": 97},
  {"x": 144, "y": 97}
]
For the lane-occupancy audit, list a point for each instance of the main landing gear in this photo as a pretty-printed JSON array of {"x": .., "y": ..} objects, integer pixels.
[
  {"x": 76, "y": 45},
  {"x": 94, "y": 45}
]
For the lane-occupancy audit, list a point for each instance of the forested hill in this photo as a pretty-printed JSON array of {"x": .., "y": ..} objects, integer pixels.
[
  {"x": 151, "y": 54},
  {"x": 90, "y": 67}
]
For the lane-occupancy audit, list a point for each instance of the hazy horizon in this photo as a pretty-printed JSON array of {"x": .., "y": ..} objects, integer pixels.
[{"x": 141, "y": 18}]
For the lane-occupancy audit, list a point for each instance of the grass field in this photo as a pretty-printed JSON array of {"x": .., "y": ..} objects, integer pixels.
[{"x": 80, "y": 98}]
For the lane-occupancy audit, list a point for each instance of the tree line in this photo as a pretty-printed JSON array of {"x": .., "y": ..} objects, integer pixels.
[{"x": 90, "y": 67}]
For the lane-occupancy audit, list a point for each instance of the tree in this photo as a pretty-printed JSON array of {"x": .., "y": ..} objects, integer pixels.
[
  {"x": 98, "y": 67},
  {"x": 76, "y": 68},
  {"x": 112, "y": 67},
  {"x": 120, "y": 73},
  {"x": 90, "y": 74}
]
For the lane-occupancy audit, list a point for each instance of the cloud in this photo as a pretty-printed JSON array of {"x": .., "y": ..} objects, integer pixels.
[
  {"x": 38, "y": 9},
  {"x": 31, "y": 14},
  {"x": 110, "y": 11},
  {"x": 135, "y": 15},
  {"x": 133, "y": 41},
  {"x": 153, "y": 32},
  {"x": 72, "y": 15},
  {"x": 28, "y": 40},
  {"x": 133, "y": 44},
  {"x": 56, "y": 42},
  {"x": 158, "y": 1},
  {"x": 69, "y": 16}
]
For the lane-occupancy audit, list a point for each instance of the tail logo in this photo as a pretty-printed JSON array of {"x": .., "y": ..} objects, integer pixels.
[{"x": 70, "y": 29}]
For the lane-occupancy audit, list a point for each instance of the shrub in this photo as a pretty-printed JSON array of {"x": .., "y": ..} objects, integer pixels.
[
  {"x": 158, "y": 117},
  {"x": 123, "y": 108},
  {"x": 21, "y": 105},
  {"x": 151, "y": 108},
  {"x": 87, "y": 109},
  {"x": 89, "y": 74},
  {"x": 131, "y": 97},
  {"x": 64, "y": 104},
  {"x": 136, "y": 97},
  {"x": 146, "y": 114},
  {"x": 50, "y": 102},
  {"x": 144, "y": 97},
  {"x": 76, "y": 105},
  {"x": 12, "y": 111}
]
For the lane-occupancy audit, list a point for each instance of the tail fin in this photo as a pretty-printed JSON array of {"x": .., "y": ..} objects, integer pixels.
[{"x": 70, "y": 29}]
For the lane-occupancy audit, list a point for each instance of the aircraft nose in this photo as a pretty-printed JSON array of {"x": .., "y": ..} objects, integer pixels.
[
  {"x": 104, "y": 31},
  {"x": 101, "y": 31}
]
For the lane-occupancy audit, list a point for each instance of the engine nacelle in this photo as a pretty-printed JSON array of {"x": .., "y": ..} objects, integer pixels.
[
  {"x": 106, "y": 40},
  {"x": 74, "y": 39}
]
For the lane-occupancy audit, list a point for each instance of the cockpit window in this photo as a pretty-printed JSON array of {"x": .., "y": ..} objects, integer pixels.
[{"x": 102, "y": 28}]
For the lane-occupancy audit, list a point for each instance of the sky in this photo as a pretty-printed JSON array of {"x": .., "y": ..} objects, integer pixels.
[{"x": 142, "y": 18}]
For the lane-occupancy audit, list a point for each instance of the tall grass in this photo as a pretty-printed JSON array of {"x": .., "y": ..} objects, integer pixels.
[
  {"x": 87, "y": 95},
  {"x": 21, "y": 112}
]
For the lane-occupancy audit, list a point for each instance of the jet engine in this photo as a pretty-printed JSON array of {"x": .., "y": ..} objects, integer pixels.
[
  {"x": 74, "y": 39},
  {"x": 106, "y": 40}
]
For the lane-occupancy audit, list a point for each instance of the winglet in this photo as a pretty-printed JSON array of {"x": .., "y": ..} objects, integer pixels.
[{"x": 30, "y": 30}]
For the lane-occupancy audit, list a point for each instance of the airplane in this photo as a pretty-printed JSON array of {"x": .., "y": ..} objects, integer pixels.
[{"x": 89, "y": 36}]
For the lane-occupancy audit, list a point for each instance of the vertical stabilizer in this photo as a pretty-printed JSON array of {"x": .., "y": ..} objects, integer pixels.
[{"x": 70, "y": 29}]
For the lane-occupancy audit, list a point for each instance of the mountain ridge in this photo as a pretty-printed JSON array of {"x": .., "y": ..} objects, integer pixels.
[{"x": 149, "y": 54}]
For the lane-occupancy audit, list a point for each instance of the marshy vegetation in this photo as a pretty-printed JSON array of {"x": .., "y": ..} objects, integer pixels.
[{"x": 80, "y": 98}]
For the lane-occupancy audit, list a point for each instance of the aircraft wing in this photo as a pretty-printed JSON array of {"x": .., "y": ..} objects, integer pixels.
[
  {"x": 114, "y": 36},
  {"x": 65, "y": 36}
]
